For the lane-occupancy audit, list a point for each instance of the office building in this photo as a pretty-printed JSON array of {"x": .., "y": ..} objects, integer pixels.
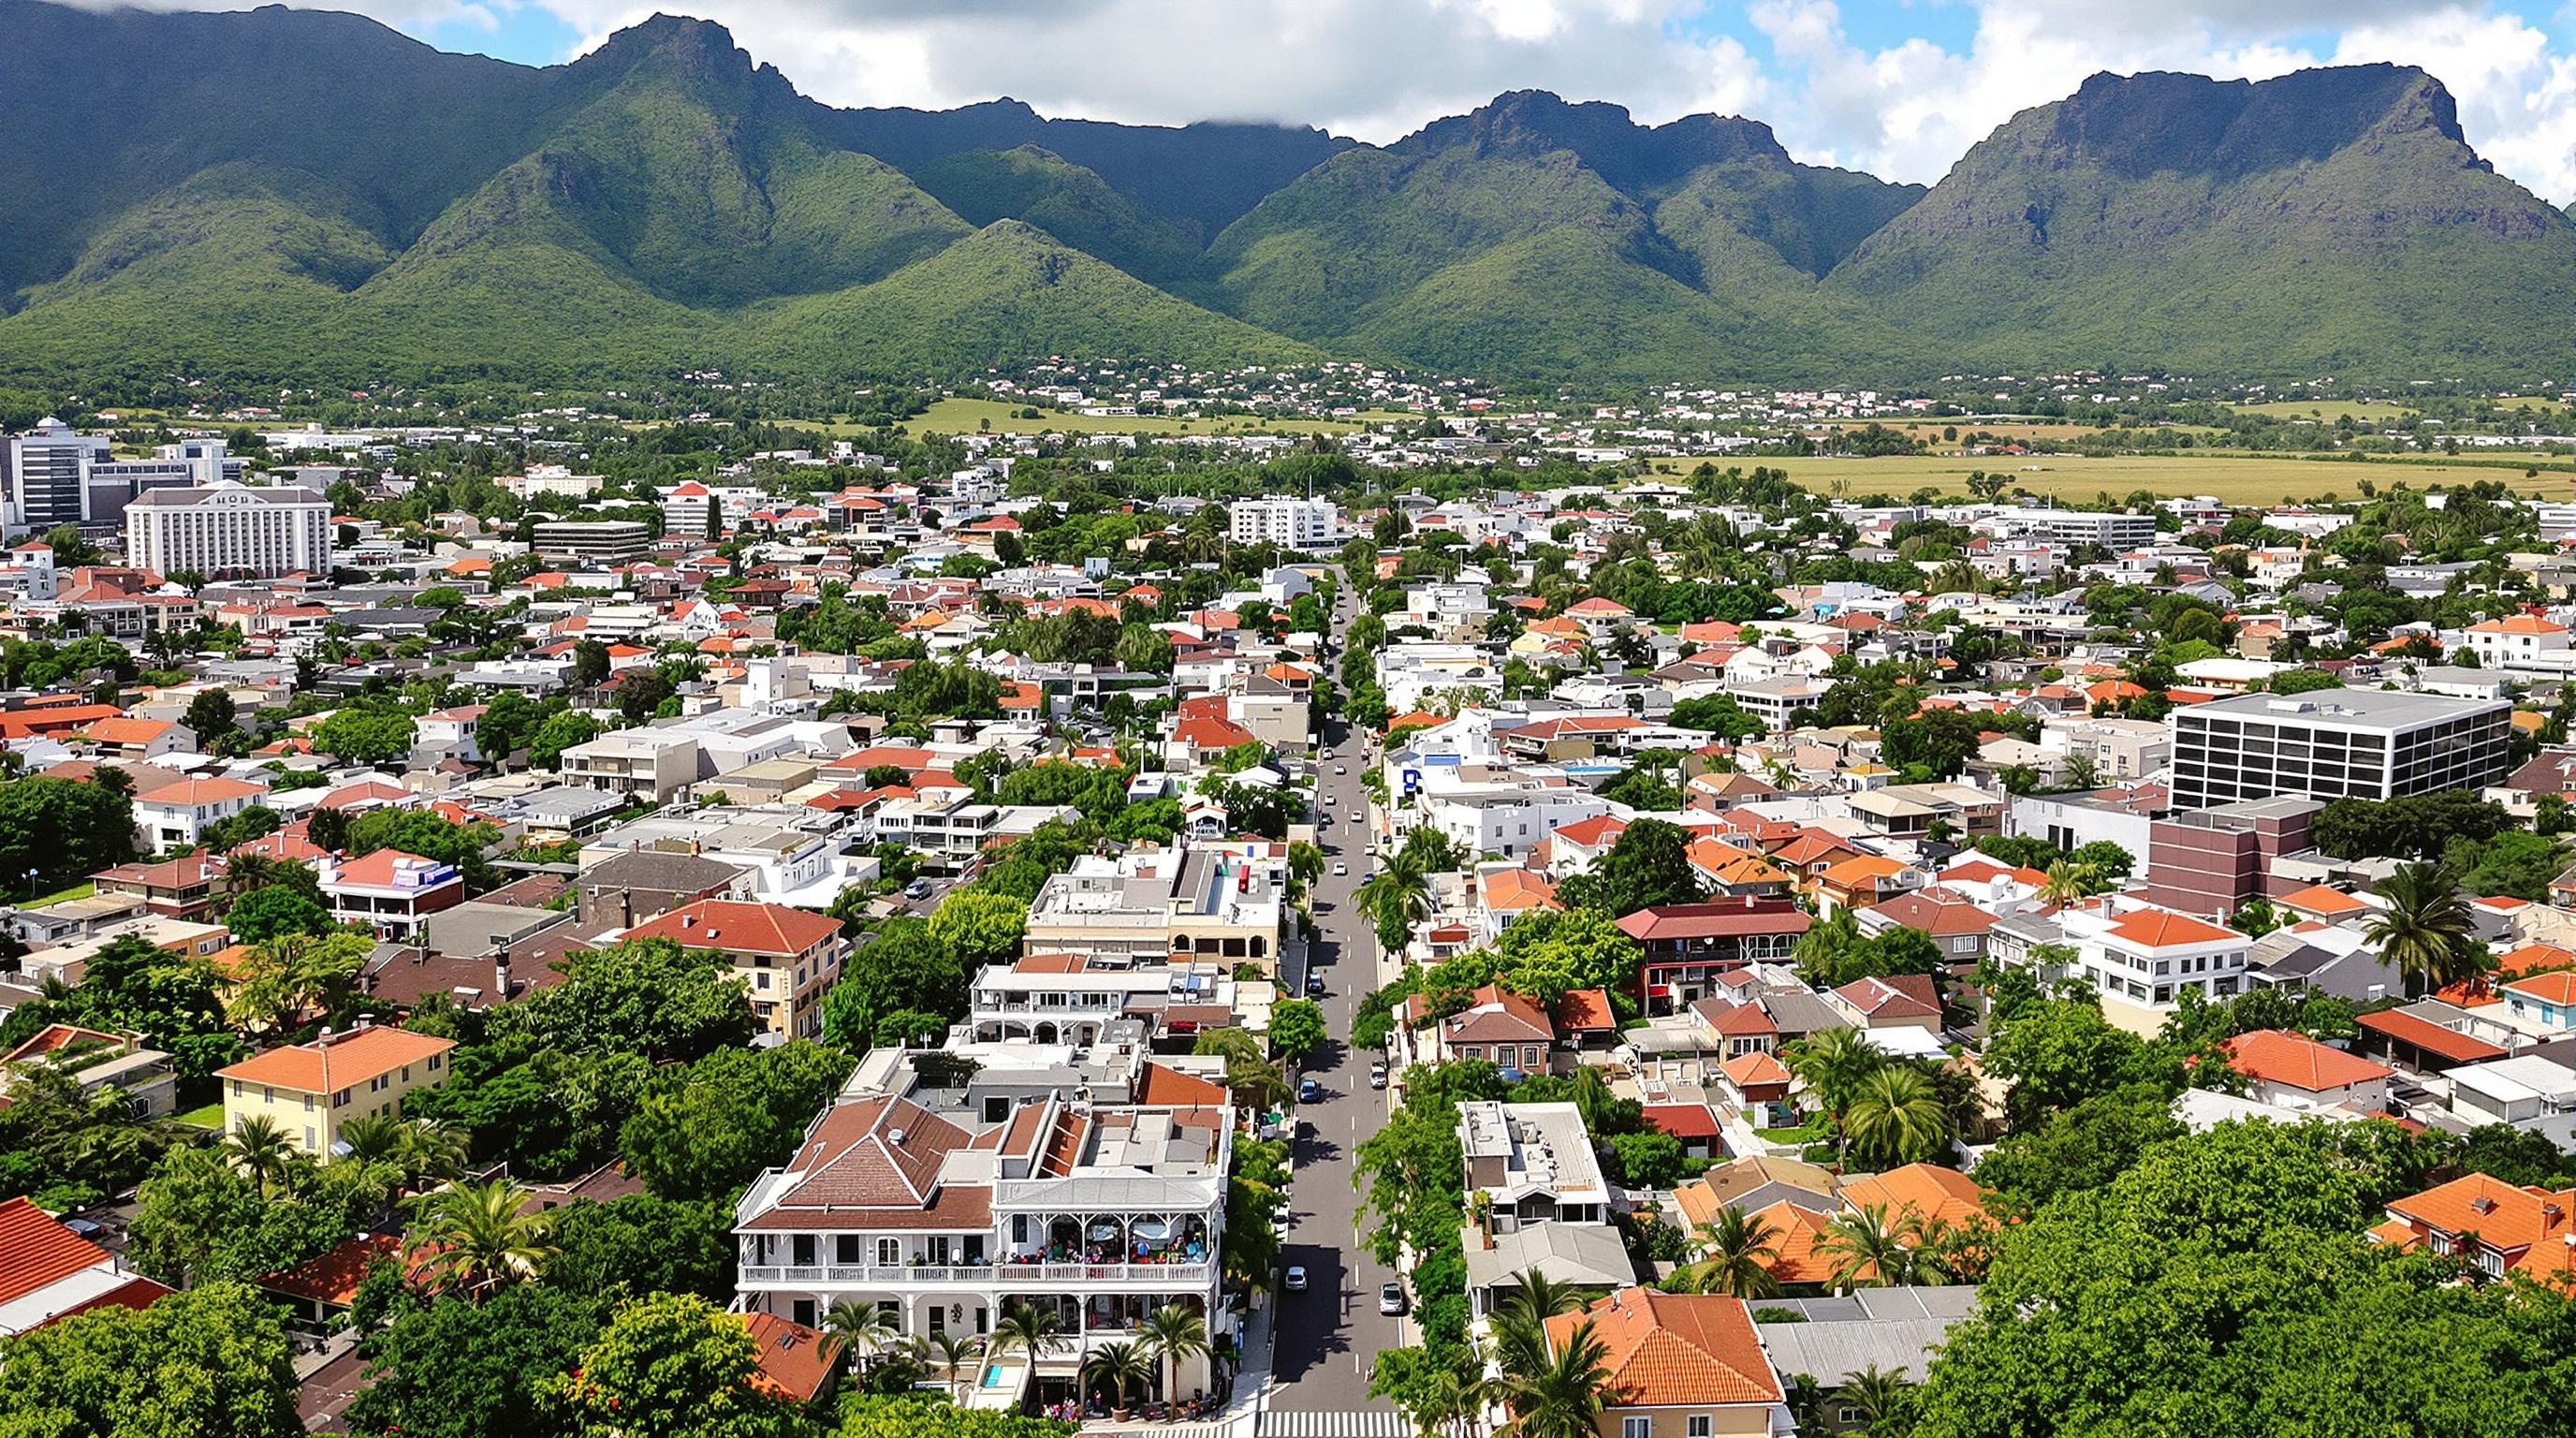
[
  {"x": 112, "y": 484},
  {"x": 229, "y": 530},
  {"x": 2367, "y": 743},
  {"x": 600, "y": 541},
  {"x": 2208, "y": 861},
  {"x": 2077, "y": 526},
  {"x": 47, "y": 474},
  {"x": 1291, "y": 523}
]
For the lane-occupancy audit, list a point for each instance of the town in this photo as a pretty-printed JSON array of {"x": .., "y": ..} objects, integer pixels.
[{"x": 1297, "y": 933}]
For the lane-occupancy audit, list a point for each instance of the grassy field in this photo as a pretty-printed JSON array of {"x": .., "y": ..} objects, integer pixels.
[
  {"x": 966, "y": 416},
  {"x": 210, "y": 1116},
  {"x": 2231, "y": 479},
  {"x": 80, "y": 890},
  {"x": 2363, "y": 411}
]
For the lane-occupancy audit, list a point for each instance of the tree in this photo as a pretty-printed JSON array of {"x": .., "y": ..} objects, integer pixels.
[
  {"x": 262, "y": 1151},
  {"x": 863, "y": 1326},
  {"x": 647, "y": 997},
  {"x": 1735, "y": 1253},
  {"x": 2068, "y": 882},
  {"x": 902, "y": 971},
  {"x": 212, "y": 1362},
  {"x": 54, "y": 830},
  {"x": 1720, "y": 715},
  {"x": 472, "y": 1238},
  {"x": 1867, "y": 1249},
  {"x": 1562, "y": 1398},
  {"x": 2424, "y": 927},
  {"x": 1896, "y": 1119},
  {"x": 2056, "y": 1054},
  {"x": 1648, "y": 1160},
  {"x": 979, "y": 928},
  {"x": 211, "y": 715},
  {"x": 1548, "y": 954},
  {"x": 948, "y": 1355},
  {"x": 263, "y": 914},
  {"x": 428, "y": 835},
  {"x": 1296, "y": 1029},
  {"x": 292, "y": 975},
  {"x": 1882, "y": 1399},
  {"x": 366, "y": 737},
  {"x": 1649, "y": 865},
  {"x": 642, "y": 1243},
  {"x": 1832, "y": 1066},
  {"x": 1396, "y": 897},
  {"x": 1174, "y": 1334},
  {"x": 704, "y": 1132},
  {"x": 1034, "y": 1331},
  {"x": 675, "y": 1366},
  {"x": 589, "y": 665},
  {"x": 1121, "y": 1368},
  {"x": 2077, "y": 1148},
  {"x": 558, "y": 733},
  {"x": 453, "y": 1369}
]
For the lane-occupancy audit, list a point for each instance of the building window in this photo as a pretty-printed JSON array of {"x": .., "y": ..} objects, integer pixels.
[
  {"x": 1637, "y": 1428},
  {"x": 889, "y": 1252},
  {"x": 1699, "y": 1425}
]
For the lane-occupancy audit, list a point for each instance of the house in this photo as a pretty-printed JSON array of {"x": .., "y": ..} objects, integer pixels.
[
  {"x": 188, "y": 887},
  {"x": 786, "y": 957},
  {"x": 1501, "y": 1028},
  {"x": 1531, "y": 1163},
  {"x": 325, "y": 1286},
  {"x": 1889, "y": 1002},
  {"x": 308, "y": 1090},
  {"x": 1689, "y": 945},
  {"x": 175, "y": 816},
  {"x": 49, "y": 1272},
  {"x": 624, "y": 888},
  {"x": 1679, "y": 1365},
  {"x": 389, "y": 891},
  {"x": 797, "y": 1363},
  {"x": 2542, "y": 1003},
  {"x": 1753, "y": 1183},
  {"x": 2295, "y": 1071},
  {"x": 1957, "y": 925},
  {"x": 97, "y": 1059},
  {"x": 1925, "y": 1191},
  {"x": 2496, "y": 1225}
]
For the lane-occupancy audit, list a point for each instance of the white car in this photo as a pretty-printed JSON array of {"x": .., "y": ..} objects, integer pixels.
[
  {"x": 1359, "y": 816},
  {"x": 1340, "y": 869},
  {"x": 1338, "y": 769}
]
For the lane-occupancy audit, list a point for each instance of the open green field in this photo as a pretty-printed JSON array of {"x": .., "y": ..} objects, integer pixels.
[
  {"x": 2363, "y": 411},
  {"x": 2230, "y": 479},
  {"x": 966, "y": 416}
]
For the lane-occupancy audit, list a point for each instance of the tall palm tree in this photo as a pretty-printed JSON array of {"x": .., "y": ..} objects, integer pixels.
[
  {"x": 2069, "y": 881},
  {"x": 1451, "y": 1398},
  {"x": 1877, "y": 1394},
  {"x": 372, "y": 1138},
  {"x": 863, "y": 1326},
  {"x": 1736, "y": 1251},
  {"x": 1027, "y": 1327},
  {"x": 1561, "y": 1398},
  {"x": 2424, "y": 928},
  {"x": 475, "y": 1239},
  {"x": 1520, "y": 1321},
  {"x": 1400, "y": 886},
  {"x": 260, "y": 1146},
  {"x": 946, "y": 1354},
  {"x": 1897, "y": 1119},
  {"x": 431, "y": 1150},
  {"x": 1173, "y": 1333},
  {"x": 1832, "y": 1065},
  {"x": 1867, "y": 1248},
  {"x": 1120, "y": 1366}
]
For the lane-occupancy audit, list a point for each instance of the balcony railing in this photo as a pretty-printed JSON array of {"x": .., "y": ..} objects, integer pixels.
[{"x": 1188, "y": 1275}]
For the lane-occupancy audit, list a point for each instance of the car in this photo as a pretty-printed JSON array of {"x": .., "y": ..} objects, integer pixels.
[
  {"x": 1390, "y": 1298},
  {"x": 1377, "y": 1075},
  {"x": 917, "y": 889},
  {"x": 1338, "y": 769},
  {"x": 1359, "y": 816},
  {"x": 1295, "y": 1281},
  {"x": 1314, "y": 986},
  {"x": 1309, "y": 1091},
  {"x": 1323, "y": 754},
  {"x": 1340, "y": 869}
]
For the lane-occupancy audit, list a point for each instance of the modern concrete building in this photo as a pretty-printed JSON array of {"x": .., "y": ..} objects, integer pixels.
[
  {"x": 595, "y": 541},
  {"x": 2368, "y": 743},
  {"x": 230, "y": 531},
  {"x": 1168, "y": 905},
  {"x": 2208, "y": 861},
  {"x": 1290, "y": 523}
]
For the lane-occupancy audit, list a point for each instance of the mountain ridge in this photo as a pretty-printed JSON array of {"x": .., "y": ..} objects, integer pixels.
[{"x": 307, "y": 195}]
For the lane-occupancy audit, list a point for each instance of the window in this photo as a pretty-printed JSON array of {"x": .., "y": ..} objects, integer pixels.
[
  {"x": 889, "y": 1252},
  {"x": 1698, "y": 1425},
  {"x": 1636, "y": 1428}
]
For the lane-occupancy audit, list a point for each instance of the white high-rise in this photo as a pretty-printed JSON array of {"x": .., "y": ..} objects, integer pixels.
[
  {"x": 1294, "y": 523},
  {"x": 230, "y": 531}
]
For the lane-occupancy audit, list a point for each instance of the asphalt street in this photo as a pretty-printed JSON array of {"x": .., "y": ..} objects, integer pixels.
[{"x": 1330, "y": 1334}]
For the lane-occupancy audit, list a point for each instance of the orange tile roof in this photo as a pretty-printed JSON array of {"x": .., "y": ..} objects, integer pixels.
[
  {"x": 1585, "y": 1009},
  {"x": 2551, "y": 988},
  {"x": 333, "y": 1275},
  {"x": 2163, "y": 928},
  {"x": 2503, "y": 1216},
  {"x": 2318, "y": 899},
  {"x": 1754, "y": 1070},
  {"x": 795, "y": 1360},
  {"x": 739, "y": 927},
  {"x": 36, "y": 1250},
  {"x": 1674, "y": 1348},
  {"x": 2297, "y": 1061},
  {"x": 1923, "y": 1188},
  {"x": 355, "y": 1058},
  {"x": 1795, "y": 1232}
]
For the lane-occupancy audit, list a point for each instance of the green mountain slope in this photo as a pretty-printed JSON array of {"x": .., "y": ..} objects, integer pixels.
[
  {"x": 1065, "y": 200},
  {"x": 2331, "y": 221},
  {"x": 1007, "y": 290}
]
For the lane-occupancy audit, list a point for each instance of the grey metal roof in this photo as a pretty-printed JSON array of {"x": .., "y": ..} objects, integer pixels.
[{"x": 1589, "y": 1255}]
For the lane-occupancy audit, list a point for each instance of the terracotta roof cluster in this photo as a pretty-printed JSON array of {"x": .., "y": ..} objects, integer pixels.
[{"x": 1666, "y": 1349}]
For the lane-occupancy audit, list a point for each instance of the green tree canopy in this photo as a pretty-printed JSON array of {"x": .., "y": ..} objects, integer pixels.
[{"x": 212, "y": 1362}]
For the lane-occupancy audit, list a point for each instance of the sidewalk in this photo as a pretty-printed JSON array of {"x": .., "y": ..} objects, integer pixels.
[{"x": 1242, "y": 1413}]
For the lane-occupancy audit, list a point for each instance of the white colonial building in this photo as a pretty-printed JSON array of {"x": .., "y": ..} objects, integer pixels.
[{"x": 229, "y": 531}]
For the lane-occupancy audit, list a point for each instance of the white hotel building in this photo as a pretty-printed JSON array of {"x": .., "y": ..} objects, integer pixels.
[
  {"x": 229, "y": 531},
  {"x": 1291, "y": 523}
]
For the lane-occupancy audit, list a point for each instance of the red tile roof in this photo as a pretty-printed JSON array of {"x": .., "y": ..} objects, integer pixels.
[
  {"x": 795, "y": 1361},
  {"x": 1669, "y": 1349},
  {"x": 739, "y": 927},
  {"x": 2432, "y": 1038},
  {"x": 355, "y": 1058},
  {"x": 2297, "y": 1061}
]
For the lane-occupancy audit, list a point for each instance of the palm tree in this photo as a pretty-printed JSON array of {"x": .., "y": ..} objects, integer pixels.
[
  {"x": 2424, "y": 928},
  {"x": 1868, "y": 1250},
  {"x": 1449, "y": 1398},
  {"x": 1736, "y": 1253},
  {"x": 1876, "y": 1394},
  {"x": 1896, "y": 1118},
  {"x": 2069, "y": 881},
  {"x": 1171, "y": 1334},
  {"x": 1400, "y": 886},
  {"x": 474, "y": 1238},
  {"x": 946, "y": 1354},
  {"x": 1027, "y": 1327},
  {"x": 1520, "y": 1321},
  {"x": 372, "y": 1138},
  {"x": 1806, "y": 1403},
  {"x": 431, "y": 1151},
  {"x": 863, "y": 1326},
  {"x": 1832, "y": 1065},
  {"x": 262, "y": 1149},
  {"x": 1562, "y": 1397},
  {"x": 1120, "y": 1366}
]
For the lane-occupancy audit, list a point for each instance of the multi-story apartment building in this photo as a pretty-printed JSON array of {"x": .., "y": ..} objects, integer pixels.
[
  {"x": 1289, "y": 523},
  {"x": 47, "y": 471},
  {"x": 389, "y": 891},
  {"x": 2077, "y": 526},
  {"x": 1071, "y": 999},
  {"x": 646, "y": 763},
  {"x": 230, "y": 531},
  {"x": 1165, "y": 905},
  {"x": 594, "y": 541},
  {"x": 309, "y": 1090},
  {"x": 942, "y": 1219},
  {"x": 2143, "y": 958},
  {"x": 1688, "y": 946},
  {"x": 2368, "y": 743},
  {"x": 785, "y": 957}
]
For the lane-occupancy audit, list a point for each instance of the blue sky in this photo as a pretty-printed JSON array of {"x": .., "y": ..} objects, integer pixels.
[{"x": 1899, "y": 87}]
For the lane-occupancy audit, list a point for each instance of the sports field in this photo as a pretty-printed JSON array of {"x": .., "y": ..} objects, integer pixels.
[{"x": 2231, "y": 479}]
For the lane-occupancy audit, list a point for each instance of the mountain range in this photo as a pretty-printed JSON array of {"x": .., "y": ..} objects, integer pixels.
[{"x": 307, "y": 197}]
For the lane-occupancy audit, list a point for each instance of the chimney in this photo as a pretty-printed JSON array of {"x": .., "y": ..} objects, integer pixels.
[{"x": 2482, "y": 1204}]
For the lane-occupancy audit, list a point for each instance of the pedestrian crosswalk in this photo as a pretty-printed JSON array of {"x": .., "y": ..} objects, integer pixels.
[{"x": 1355, "y": 1423}]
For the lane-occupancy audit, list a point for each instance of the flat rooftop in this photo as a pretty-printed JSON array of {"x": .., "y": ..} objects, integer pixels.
[{"x": 2345, "y": 708}]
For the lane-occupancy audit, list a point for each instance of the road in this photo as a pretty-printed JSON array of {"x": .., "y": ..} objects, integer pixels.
[{"x": 1329, "y": 1335}]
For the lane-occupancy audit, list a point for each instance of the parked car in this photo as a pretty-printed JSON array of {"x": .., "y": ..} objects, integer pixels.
[
  {"x": 1338, "y": 769},
  {"x": 1314, "y": 986},
  {"x": 1340, "y": 869},
  {"x": 1309, "y": 1091},
  {"x": 1377, "y": 1075},
  {"x": 1295, "y": 1282},
  {"x": 917, "y": 889},
  {"x": 1390, "y": 1298}
]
